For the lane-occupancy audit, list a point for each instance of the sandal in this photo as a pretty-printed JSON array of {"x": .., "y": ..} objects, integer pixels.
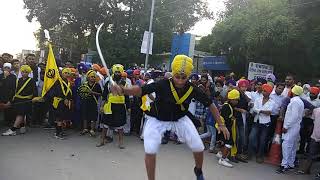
[{"x": 85, "y": 131}]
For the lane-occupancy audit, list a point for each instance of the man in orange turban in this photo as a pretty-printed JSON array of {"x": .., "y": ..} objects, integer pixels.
[{"x": 258, "y": 136}]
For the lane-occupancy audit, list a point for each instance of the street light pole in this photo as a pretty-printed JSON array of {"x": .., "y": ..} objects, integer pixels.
[{"x": 149, "y": 36}]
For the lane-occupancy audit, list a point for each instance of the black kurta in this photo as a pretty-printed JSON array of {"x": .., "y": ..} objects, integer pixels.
[
  {"x": 7, "y": 87},
  {"x": 164, "y": 108},
  {"x": 118, "y": 117},
  {"x": 62, "y": 112},
  {"x": 243, "y": 104},
  {"x": 24, "y": 106},
  {"x": 226, "y": 113},
  {"x": 89, "y": 106}
]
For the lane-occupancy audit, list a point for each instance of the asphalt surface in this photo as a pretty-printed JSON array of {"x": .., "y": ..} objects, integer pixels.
[{"x": 38, "y": 156}]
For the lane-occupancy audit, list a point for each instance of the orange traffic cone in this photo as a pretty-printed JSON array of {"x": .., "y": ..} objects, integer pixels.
[{"x": 274, "y": 156}]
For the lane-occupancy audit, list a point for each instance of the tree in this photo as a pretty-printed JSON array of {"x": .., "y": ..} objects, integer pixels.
[
  {"x": 75, "y": 23},
  {"x": 266, "y": 31}
]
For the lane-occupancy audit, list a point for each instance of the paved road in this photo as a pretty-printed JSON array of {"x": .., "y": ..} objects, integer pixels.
[{"x": 38, "y": 156}]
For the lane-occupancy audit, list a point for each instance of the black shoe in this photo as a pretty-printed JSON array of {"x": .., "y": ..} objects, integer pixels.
[
  {"x": 59, "y": 136},
  {"x": 282, "y": 170},
  {"x": 290, "y": 168},
  {"x": 233, "y": 159},
  {"x": 164, "y": 141},
  {"x": 200, "y": 177},
  {"x": 300, "y": 152},
  {"x": 259, "y": 160},
  {"x": 317, "y": 177},
  {"x": 49, "y": 127},
  {"x": 241, "y": 159},
  {"x": 198, "y": 173}
]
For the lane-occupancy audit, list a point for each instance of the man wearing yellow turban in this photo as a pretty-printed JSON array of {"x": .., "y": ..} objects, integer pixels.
[
  {"x": 291, "y": 129},
  {"x": 25, "y": 91},
  {"x": 169, "y": 111},
  {"x": 117, "y": 68},
  {"x": 182, "y": 65},
  {"x": 114, "y": 109}
]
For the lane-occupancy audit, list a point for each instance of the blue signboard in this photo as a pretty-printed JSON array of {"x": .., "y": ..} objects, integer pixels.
[
  {"x": 217, "y": 63},
  {"x": 180, "y": 45}
]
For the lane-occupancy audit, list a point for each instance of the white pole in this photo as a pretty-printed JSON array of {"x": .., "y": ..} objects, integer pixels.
[{"x": 149, "y": 36}]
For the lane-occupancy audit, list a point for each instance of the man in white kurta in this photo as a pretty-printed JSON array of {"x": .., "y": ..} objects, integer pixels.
[{"x": 291, "y": 129}]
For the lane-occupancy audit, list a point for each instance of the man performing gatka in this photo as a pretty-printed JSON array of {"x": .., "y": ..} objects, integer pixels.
[{"x": 169, "y": 112}]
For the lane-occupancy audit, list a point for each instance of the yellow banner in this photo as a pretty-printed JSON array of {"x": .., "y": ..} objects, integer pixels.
[{"x": 51, "y": 73}]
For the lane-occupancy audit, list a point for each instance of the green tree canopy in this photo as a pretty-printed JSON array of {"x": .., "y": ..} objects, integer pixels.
[
  {"x": 73, "y": 24},
  {"x": 275, "y": 32}
]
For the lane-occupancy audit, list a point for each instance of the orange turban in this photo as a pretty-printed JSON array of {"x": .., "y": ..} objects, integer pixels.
[
  {"x": 267, "y": 88},
  {"x": 314, "y": 90},
  {"x": 124, "y": 74},
  {"x": 104, "y": 71},
  {"x": 96, "y": 67},
  {"x": 73, "y": 70}
]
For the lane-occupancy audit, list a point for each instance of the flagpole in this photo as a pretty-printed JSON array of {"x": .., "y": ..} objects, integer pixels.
[
  {"x": 149, "y": 36},
  {"x": 51, "y": 72}
]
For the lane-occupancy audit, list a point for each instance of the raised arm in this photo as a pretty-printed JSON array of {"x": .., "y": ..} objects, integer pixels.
[
  {"x": 132, "y": 91},
  {"x": 137, "y": 90}
]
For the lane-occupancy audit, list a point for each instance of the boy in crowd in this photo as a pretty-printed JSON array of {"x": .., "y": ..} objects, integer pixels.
[
  {"x": 227, "y": 113},
  {"x": 7, "y": 91},
  {"x": 25, "y": 91},
  {"x": 60, "y": 96},
  {"x": 89, "y": 104}
]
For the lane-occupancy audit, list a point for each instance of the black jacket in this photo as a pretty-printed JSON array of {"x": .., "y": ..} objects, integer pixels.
[{"x": 7, "y": 87}]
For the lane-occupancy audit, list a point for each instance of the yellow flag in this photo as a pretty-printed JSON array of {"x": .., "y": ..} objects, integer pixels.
[{"x": 52, "y": 72}]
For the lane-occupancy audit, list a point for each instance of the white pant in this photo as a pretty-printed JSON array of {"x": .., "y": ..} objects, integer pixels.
[
  {"x": 289, "y": 146},
  {"x": 184, "y": 129}
]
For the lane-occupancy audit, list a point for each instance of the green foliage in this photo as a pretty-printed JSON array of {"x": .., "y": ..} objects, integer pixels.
[
  {"x": 73, "y": 23},
  {"x": 276, "y": 32}
]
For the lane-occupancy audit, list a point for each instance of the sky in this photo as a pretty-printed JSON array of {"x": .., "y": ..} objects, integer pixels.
[
  {"x": 204, "y": 27},
  {"x": 17, "y": 33}
]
